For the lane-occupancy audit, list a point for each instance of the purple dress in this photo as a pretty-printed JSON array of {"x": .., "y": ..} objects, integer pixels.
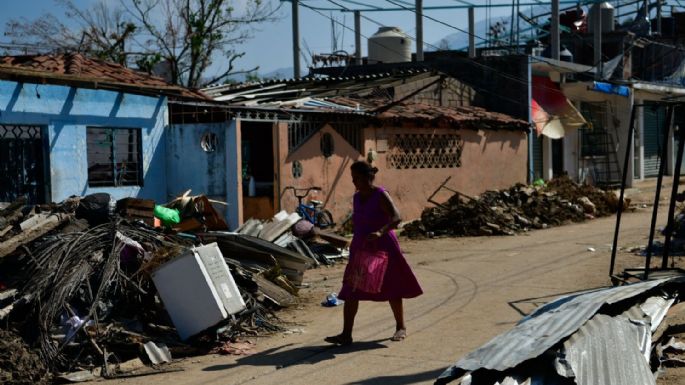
[{"x": 399, "y": 280}]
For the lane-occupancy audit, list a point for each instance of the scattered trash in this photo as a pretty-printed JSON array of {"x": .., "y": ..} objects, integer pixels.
[
  {"x": 234, "y": 348},
  {"x": 158, "y": 353},
  {"x": 332, "y": 300},
  {"x": 89, "y": 285},
  {"x": 591, "y": 249}
]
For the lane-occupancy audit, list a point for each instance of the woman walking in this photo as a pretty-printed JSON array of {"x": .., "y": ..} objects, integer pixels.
[{"x": 375, "y": 216}]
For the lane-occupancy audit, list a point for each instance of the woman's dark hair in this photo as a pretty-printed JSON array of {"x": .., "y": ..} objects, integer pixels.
[{"x": 364, "y": 168}]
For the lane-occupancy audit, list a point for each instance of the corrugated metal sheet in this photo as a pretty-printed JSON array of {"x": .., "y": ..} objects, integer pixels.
[
  {"x": 544, "y": 328},
  {"x": 606, "y": 350},
  {"x": 656, "y": 308}
]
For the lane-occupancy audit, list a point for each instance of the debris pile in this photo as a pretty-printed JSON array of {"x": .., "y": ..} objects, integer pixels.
[
  {"x": 91, "y": 284},
  {"x": 519, "y": 208},
  {"x": 619, "y": 335}
]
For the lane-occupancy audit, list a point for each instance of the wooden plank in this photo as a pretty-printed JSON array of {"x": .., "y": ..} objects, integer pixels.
[
  {"x": 48, "y": 224},
  {"x": 136, "y": 203},
  {"x": 332, "y": 238},
  {"x": 140, "y": 213}
]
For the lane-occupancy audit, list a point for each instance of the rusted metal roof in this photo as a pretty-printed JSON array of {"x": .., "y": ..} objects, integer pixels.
[
  {"x": 423, "y": 113},
  {"x": 79, "y": 70}
]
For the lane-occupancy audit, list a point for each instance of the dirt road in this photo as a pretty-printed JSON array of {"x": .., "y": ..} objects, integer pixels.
[{"x": 475, "y": 288}]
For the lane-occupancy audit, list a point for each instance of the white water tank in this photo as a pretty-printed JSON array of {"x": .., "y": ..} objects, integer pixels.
[
  {"x": 606, "y": 12},
  {"x": 389, "y": 45}
]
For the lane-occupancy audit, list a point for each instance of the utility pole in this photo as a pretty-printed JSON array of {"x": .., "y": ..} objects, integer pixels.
[
  {"x": 598, "y": 43},
  {"x": 357, "y": 37},
  {"x": 658, "y": 17},
  {"x": 296, "y": 39},
  {"x": 472, "y": 32},
  {"x": 554, "y": 31},
  {"x": 419, "y": 30}
]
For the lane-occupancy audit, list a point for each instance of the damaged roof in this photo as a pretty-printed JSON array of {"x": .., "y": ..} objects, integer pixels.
[
  {"x": 359, "y": 95},
  {"x": 387, "y": 111},
  {"x": 76, "y": 69},
  {"x": 277, "y": 92}
]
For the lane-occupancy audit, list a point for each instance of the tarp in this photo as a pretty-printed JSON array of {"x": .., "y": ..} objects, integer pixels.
[
  {"x": 552, "y": 113},
  {"x": 609, "y": 88}
]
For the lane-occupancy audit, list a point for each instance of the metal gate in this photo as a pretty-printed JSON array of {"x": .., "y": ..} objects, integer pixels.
[
  {"x": 22, "y": 163},
  {"x": 654, "y": 118}
]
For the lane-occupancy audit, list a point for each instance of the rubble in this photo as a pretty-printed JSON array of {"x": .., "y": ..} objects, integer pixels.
[
  {"x": 19, "y": 365},
  {"x": 517, "y": 209},
  {"x": 82, "y": 289}
]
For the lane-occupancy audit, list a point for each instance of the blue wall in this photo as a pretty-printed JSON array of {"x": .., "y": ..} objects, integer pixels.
[
  {"x": 210, "y": 173},
  {"x": 66, "y": 111}
]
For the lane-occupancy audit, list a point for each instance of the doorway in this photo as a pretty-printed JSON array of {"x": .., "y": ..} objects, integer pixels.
[
  {"x": 258, "y": 170},
  {"x": 22, "y": 163}
]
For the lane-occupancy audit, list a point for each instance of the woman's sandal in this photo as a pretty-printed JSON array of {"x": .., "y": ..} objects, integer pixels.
[
  {"x": 399, "y": 335},
  {"x": 339, "y": 340}
]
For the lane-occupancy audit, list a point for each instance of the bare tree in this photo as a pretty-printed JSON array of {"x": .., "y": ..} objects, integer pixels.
[{"x": 185, "y": 36}]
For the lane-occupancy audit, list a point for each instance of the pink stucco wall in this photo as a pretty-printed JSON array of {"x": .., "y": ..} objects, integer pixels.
[{"x": 489, "y": 160}]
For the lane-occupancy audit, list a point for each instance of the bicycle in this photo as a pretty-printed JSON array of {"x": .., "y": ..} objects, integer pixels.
[{"x": 314, "y": 213}]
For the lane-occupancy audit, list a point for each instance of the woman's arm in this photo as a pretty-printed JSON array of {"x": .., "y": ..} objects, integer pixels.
[{"x": 388, "y": 207}]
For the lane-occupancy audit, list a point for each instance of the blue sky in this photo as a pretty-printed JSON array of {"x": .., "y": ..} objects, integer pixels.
[{"x": 271, "y": 45}]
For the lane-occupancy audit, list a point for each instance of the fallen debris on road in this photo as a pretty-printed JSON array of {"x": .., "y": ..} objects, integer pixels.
[
  {"x": 519, "y": 208},
  {"x": 89, "y": 284}
]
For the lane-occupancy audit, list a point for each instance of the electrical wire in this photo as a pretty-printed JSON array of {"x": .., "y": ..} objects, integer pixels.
[{"x": 479, "y": 89}]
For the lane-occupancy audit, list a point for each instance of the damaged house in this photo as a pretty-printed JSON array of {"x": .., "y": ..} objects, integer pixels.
[
  {"x": 70, "y": 125},
  {"x": 418, "y": 127}
]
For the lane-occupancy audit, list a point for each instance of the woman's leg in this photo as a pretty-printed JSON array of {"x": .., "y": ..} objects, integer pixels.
[
  {"x": 398, "y": 312},
  {"x": 349, "y": 312},
  {"x": 350, "y": 308}
]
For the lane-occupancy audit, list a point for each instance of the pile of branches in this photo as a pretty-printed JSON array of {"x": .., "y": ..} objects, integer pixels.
[{"x": 519, "y": 208}]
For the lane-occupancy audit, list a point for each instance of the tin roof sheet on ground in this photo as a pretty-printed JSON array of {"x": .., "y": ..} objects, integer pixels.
[
  {"x": 606, "y": 350},
  {"x": 543, "y": 329}
]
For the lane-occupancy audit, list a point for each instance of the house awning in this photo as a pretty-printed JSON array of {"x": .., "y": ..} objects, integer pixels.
[{"x": 553, "y": 114}]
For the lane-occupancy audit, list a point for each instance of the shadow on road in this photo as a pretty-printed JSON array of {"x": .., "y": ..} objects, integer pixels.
[
  {"x": 303, "y": 355},
  {"x": 430, "y": 375},
  {"x": 533, "y": 303}
]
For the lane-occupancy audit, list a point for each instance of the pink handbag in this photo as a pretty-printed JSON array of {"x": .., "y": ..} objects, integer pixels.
[{"x": 366, "y": 270}]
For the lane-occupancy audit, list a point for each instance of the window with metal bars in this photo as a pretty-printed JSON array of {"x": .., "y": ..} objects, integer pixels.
[
  {"x": 425, "y": 151},
  {"x": 593, "y": 139},
  {"x": 114, "y": 157}
]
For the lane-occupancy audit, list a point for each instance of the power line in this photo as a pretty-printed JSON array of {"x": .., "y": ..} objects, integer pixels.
[
  {"x": 506, "y": 76},
  {"x": 437, "y": 21},
  {"x": 520, "y": 80}
]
